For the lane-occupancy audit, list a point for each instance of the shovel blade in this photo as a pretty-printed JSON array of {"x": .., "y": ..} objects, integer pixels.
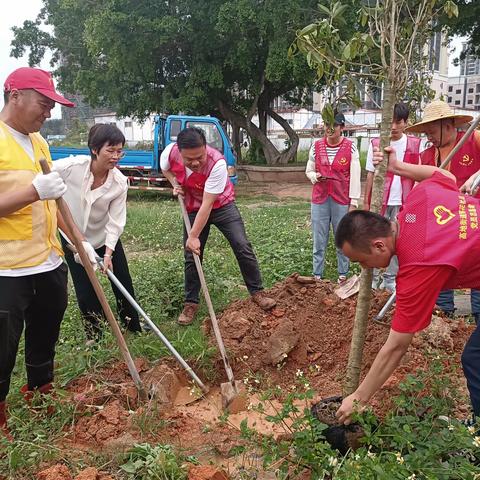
[
  {"x": 234, "y": 397},
  {"x": 349, "y": 288}
]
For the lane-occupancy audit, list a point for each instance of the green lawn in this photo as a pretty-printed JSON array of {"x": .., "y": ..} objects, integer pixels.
[{"x": 280, "y": 234}]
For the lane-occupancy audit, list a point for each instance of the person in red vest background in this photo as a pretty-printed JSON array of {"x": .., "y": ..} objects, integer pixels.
[
  {"x": 434, "y": 252},
  {"x": 440, "y": 124},
  {"x": 333, "y": 167},
  {"x": 396, "y": 188},
  {"x": 198, "y": 172}
]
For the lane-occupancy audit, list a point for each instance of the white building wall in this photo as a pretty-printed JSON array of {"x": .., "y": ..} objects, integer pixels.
[{"x": 134, "y": 131}]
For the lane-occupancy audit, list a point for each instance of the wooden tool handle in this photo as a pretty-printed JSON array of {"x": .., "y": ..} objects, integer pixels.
[
  {"x": 459, "y": 145},
  {"x": 76, "y": 238},
  {"x": 206, "y": 294}
]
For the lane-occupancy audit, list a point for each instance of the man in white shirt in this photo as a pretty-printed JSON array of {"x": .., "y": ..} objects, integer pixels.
[
  {"x": 33, "y": 277},
  {"x": 198, "y": 172},
  {"x": 396, "y": 188}
]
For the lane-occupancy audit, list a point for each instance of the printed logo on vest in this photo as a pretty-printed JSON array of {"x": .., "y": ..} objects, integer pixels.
[
  {"x": 466, "y": 160},
  {"x": 443, "y": 214},
  {"x": 342, "y": 161}
]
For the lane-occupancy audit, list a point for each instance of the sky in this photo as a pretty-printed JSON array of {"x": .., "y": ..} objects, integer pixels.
[{"x": 21, "y": 10}]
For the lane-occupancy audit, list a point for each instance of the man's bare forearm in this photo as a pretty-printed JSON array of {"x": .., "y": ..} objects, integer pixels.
[{"x": 15, "y": 200}]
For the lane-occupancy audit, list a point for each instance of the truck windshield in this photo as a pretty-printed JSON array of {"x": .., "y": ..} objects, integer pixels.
[{"x": 214, "y": 139}]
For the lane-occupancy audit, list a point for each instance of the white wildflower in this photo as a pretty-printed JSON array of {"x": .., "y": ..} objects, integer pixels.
[
  {"x": 400, "y": 459},
  {"x": 471, "y": 429},
  {"x": 412, "y": 477},
  {"x": 451, "y": 428},
  {"x": 332, "y": 461},
  {"x": 476, "y": 442},
  {"x": 299, "y": 373},
  {"x": 245, "y": 357}
]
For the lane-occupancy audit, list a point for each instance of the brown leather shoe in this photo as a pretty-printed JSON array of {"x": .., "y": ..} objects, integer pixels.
[
  {"x": 264, "y": 302},
  {"x": 188, "y": 314}
]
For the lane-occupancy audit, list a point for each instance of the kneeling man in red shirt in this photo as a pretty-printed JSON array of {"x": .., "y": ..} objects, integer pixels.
[{"x": 436, "y": 238}]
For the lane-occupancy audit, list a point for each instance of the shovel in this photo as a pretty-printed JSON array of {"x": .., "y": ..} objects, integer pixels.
[
  {"x": 77, "y": 239},
  {"x": 185, "y": 395},
  {"x": 233, "y": 392},
  {"x": 348, "y": 288}
]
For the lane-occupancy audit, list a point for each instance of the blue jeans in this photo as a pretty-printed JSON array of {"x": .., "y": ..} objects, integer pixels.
[
  {"x": 390, "y": 273},
  {"x": 446, "y": 303},
  {"x": 324, "y": 214},
  {"x": 471, "y": 368}
]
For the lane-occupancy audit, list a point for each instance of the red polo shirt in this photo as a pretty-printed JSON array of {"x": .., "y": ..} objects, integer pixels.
[{"x": 437, "y": 248}]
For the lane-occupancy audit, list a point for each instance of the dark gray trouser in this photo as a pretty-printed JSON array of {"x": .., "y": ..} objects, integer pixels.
[
  {"x": 228, "y": 220},
  {"x": 87, "y": 299},
  {"x": 38, "y": 301},
  {"x": 471, "y": 368}
]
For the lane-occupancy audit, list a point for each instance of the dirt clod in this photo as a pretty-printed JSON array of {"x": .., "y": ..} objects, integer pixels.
[
  {"x": 92, "y": 473},
  {"x": 282, "y": 342},
  {"x": 162, "y": 383},
  {"x": 57, "y": 472},
  {"x": 206, "y": 472}
]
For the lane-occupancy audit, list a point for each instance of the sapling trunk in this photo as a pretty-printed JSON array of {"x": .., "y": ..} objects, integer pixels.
[{"x": 354, "y": 365}]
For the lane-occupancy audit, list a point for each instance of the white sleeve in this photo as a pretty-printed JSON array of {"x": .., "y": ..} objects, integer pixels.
[
  {"x": 310, "y": 169},
  {"x": 164, "y": 157},
  {"x": 64, "y": 165},
  {"x": 355, "y": 190},
  {"x": 217, "y": 180},
  {"x": 117, "y": 217},
  {"x": 369, "y": 165}
]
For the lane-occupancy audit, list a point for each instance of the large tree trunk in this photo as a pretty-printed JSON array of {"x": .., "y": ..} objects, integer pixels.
[
  {"x": 290, "y": 153},
  {"x": 262, "y": 119},
  {"x": 271, "y": 153},
  {"x": 354, "y": 366},
  {"x": 236, "y": 141}
]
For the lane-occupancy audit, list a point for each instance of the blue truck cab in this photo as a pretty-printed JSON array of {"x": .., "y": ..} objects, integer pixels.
[{"x": 142, "y": 167}]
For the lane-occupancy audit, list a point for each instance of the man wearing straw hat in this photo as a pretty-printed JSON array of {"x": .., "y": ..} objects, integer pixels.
[{"x": 440, "y": 124}]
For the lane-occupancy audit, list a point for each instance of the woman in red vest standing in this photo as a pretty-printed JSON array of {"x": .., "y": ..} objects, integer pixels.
[
  {"x": 440, "y": 124},
  {"x": 334, "y": 169}
]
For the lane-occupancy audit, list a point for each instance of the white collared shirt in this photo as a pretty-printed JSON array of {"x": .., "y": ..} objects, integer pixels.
[{"x": 100, "y": 214}]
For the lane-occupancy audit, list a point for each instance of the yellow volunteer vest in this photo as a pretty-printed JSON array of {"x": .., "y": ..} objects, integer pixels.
[{"x": 28, "y": 235}]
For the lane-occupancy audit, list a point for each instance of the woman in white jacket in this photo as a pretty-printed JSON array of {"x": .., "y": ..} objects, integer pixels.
[{"x": 96, "y": 195}]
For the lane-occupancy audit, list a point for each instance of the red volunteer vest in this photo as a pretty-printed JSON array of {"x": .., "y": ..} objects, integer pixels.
[
  {"x": 194, "y": 185},
  {"x": 440, "y": 226},
  {"x": 465, "y": 162},
  {"x": 412, "y": 155},
  {"x": 338, "y": 189}
]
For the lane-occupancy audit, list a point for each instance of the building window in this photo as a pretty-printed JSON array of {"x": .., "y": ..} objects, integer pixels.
[
  {"x": 457, "y": 102},
  {"x": 449, "y": 99},
  {"x": 128, "y": 124},
  {"x": 113, "y": 123},
  {"x": 470, "y": 90},
  {"x": 450, "y": 88},
  {"x": 470, "y": 102},
  {"x": 458, "y": 91}
]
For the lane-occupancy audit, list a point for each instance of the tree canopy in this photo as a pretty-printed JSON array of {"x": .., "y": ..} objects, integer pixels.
[{"x": 227, "y": 58}]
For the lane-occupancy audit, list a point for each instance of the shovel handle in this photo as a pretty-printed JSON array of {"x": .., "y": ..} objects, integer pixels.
[
  {"x": 76, "y": 237},
  {"x": 208, "y": 300},
  {"x": 459, "y": 145}
]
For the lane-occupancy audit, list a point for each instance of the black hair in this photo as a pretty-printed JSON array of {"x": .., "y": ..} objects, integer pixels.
[
  {"x": 401, "y": 111},
  {"x": 191, "y": 137},
  {"x": 360, "y": 227},
  {"x": 102, "y": 134},
  {"x": 6, "y": 97}
]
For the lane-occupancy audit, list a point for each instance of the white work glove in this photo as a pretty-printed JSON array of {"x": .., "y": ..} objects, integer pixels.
[
  {"x": 49, "y": 186},
  {"x": 92, "y": 255}
]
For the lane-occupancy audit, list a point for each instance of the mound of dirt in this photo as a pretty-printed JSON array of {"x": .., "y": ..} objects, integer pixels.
[
  {"x": 61, "y": 472},
  {"x": 310, "y": 330}
]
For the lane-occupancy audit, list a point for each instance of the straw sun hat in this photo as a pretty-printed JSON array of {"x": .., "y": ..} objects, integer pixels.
[{"x": 438, "y": 110}]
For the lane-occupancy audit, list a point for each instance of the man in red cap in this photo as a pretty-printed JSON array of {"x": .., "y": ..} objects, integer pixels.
[{"x": 33, "y": 277}]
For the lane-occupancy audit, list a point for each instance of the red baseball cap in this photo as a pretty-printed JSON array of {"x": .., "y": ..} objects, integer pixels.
[{"x": 37, "y": 79}]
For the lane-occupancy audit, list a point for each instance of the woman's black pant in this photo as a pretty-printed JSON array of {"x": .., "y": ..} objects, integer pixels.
[{"x": 88, "y": 302}]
